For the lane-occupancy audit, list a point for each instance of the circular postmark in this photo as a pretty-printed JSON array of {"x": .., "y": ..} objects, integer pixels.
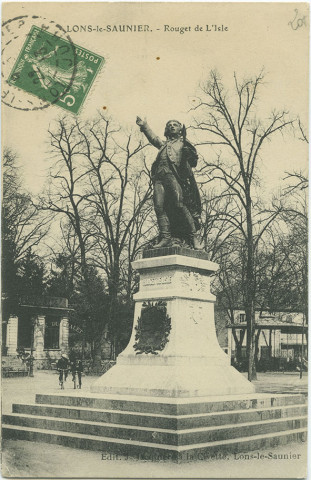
[{"x": 39, "y": 62}]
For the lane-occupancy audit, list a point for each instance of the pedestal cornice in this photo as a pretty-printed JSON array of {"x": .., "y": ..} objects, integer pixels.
[{"x": 177, "y": 260}]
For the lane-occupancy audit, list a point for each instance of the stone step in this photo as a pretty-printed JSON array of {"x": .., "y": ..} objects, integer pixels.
[
  {"x": 125, "y": 432},
  {"x": 98, "y": 415},
  {"x": 161, "y": 420},
  {"x": 168, "y": 406},
  {"x": 156, "y": 435},
  {"x": 241, "y": 416},
  {"x": 224, "y": 432},
  {"x": 149, "y": 451}
]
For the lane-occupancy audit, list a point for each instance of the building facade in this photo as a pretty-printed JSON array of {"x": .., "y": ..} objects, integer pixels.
[
  {"x": 280, "y": 339},
  {"x": 39, "y": 327}
]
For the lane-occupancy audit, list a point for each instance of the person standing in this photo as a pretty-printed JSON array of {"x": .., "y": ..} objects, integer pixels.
[
  {"x": 63, "y": 367},
  {"x": 77, "y": 369}
]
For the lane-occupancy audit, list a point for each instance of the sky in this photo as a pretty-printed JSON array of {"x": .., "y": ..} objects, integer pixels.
[{"x": 156, "y": 74}]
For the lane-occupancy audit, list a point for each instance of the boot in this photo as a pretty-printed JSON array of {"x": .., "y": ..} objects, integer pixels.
[
  {"x": 194, "y": 239},
  {"x": 165, "y": 234}
]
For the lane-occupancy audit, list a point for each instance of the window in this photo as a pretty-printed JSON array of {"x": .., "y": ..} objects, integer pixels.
[
  {"x": 25, "y": 330},
  {"x": 51, "y": 334},
  {"x": 242, "y": 317}
]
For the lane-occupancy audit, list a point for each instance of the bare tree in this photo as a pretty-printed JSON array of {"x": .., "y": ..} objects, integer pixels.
[
  {"x": 100, "y": 183},
  {"x": 296, "y": 217},
  {"x": 22, "y": 224},
  {"x": 271, "y": 272},
  {"x": 119, "y": 193},
  {"x": 23, "y": 229},
  {"x": 65, "y": 196},
  {"x": 229, "y": 124}
]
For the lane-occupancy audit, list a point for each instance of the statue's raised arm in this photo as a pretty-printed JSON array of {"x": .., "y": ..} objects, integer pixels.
[
  {"x": 151, "y": 136},
  {"x": 176, "y": 197}
]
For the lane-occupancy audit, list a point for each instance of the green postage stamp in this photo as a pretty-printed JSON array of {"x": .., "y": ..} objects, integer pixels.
[{"x": 55, "y": 70}]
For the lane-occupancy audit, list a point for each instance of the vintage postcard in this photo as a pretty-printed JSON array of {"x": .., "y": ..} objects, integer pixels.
[{"x": 154, "y": 239}]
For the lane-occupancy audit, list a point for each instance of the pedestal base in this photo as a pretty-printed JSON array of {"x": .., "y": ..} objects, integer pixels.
[{"x": 172, "y": 381}]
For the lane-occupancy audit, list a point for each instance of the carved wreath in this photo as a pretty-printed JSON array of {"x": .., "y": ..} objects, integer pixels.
[{"x": 153, "y": 328}]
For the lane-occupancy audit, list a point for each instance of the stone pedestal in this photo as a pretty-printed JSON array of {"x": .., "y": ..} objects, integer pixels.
[{"x": 174, "y": 322}]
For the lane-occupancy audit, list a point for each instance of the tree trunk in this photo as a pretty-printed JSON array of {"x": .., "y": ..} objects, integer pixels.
[
  {"x": 250, "y": 315},
  {"x": 250, "y": 293},
  {"x": 270, "y": 345},
  {"x": 113, "y": 294},
  {"x": 83, "y": 345},
  {"x": 238, "y": 344},
  {"x": 97, "y": 366},
  {"x": 112, "y": 349},
  {"x": 257, "y": 346}
]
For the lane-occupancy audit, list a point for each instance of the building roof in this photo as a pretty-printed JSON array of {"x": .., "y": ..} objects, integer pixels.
[
  {"x": 44, "y": 303},
  {"x": 272, "y": 324}
]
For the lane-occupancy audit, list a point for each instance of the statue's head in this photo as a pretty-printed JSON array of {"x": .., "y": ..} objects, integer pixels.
[{"x": 174, "y": 129}]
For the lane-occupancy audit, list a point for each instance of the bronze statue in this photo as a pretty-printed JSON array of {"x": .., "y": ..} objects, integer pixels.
[{"x": 176, "y": 196}]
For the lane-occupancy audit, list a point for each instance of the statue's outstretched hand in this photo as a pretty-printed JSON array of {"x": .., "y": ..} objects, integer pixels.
[{"x": 140, "y": 122}]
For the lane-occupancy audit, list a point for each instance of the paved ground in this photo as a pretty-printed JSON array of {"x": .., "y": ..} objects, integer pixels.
[
  {"x": 289, "y": 382},
  {"x": 22, "y": 459},
  {"x": 29, "y": 460}
]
